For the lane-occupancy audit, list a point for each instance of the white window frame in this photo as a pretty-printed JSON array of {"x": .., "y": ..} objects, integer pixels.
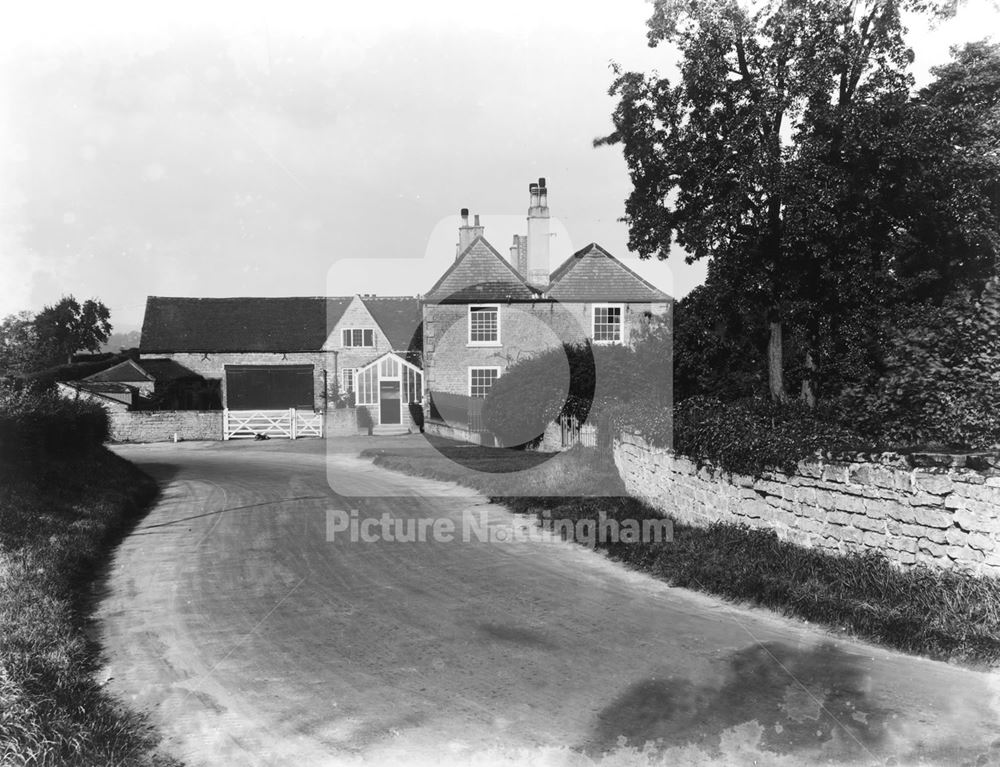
[
  {"x": 482, "y": 367},
  {"x": 468, "y": 335},
  {"x": 343, "y": 379},
  {"x": 621, "y": 323},
  {"x": 362, "y": 331}
]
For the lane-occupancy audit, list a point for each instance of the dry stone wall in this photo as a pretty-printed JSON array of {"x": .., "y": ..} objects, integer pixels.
[
  {"x": 937, "y": 510},
  {"x": 162, "y": 425}
]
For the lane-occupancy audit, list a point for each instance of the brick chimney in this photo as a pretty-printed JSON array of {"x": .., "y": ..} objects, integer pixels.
[
  {"x": 537, "y": 272},
  {"x": 466, "y": 233},
  {"x": 519, "y": 253}
]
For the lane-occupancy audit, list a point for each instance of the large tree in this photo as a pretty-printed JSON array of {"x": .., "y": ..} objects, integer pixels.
[
  {"x": 949, "y": 209},
  {"x": 68, "y": 326},
  {"x": 774, "y": 154}
]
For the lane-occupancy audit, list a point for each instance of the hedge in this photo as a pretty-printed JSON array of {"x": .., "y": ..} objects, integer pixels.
[
  {"x": 34, "y": 424},
  {"x": 941, "y": 386},
  {"x": 747, "y": 436}
]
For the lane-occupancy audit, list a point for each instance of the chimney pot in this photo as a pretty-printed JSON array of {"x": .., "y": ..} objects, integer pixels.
[
  {"x": 465, "y": 212},
  {"x": 477, "y": 220},
  {"x": 541, "y": 182}
]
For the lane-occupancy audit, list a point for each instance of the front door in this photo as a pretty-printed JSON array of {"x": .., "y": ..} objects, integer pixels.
[{"x": 389, "y": 411}]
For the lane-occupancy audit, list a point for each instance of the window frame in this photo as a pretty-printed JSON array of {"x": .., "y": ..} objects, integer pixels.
[
  {"x": 343, "y": 379},
  {"x": 351, "y": 331},
  {"x": 468, "y": 334},
  {"x": 496, "y": 368},
  {"x": 621, "y": 324}
]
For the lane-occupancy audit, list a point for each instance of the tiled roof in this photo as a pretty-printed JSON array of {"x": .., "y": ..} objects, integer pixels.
[
  {"x": 102, "y": 387},
  {"x": 593, "y": 274},
  {"x": 261, "y": 325},
  {"x": 166, "y": 369},
  {"x": 238, "y": 324},
  {"x": 399, "y": 319},
  {"x": 123, "y": 371},
  {"x": 480, "y": 273}
]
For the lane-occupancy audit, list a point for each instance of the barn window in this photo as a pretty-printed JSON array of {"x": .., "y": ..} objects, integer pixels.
[
  {"x": 363, "y": 337},
  {"x": 481, "y": 380},
  {"x": 484, "y": 325}
]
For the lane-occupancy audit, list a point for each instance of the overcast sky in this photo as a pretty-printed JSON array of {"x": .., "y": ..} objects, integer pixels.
[{"x": 216, "y": 149}]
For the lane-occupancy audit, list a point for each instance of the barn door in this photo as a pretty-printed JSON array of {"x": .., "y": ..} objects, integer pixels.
[{"x": 269, "y": 387}]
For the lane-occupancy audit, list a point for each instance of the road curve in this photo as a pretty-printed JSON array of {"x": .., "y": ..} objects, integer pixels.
[{"x": 253, "y": 640}]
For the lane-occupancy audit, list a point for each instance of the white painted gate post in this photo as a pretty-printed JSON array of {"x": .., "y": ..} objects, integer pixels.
[
  {"x": 225, "y": 423},
  {"x": 292, "y": 419}
]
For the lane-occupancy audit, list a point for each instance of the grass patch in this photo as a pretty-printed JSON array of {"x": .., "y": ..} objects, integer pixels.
[
  {"x": 58, "y": 518},
  {"x": 943, "y": 615}
]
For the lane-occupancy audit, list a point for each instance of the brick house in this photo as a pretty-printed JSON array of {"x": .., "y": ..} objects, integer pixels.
[
  {"x": 487, "y": 311},
  {"x": 302, "y": 352}
]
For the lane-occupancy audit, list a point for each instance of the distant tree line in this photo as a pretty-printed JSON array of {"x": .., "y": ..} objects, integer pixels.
[{"x": 32, "y": 342}]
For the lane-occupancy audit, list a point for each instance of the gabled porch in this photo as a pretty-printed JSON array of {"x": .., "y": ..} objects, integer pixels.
[{"x": 385, "y": 387}]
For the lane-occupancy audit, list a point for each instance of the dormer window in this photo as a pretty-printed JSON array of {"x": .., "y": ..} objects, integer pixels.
[
  {"x": 484, "y": 325},
  {"x": 362, "y": 337}
]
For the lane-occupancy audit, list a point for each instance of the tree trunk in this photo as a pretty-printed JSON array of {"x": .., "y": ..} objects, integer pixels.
[
  {"x": 775, "y": 362},
  {"x": 809, "y": 382}
]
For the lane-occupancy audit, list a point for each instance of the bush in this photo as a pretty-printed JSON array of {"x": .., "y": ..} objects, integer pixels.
[
  {"x": 747, "y": 436},
  {"x": 364, "y": 418},
  {"x": 569, "y": 380},
  {"x": 942, "y": 385},
  {"x": 34, "y": 425}
]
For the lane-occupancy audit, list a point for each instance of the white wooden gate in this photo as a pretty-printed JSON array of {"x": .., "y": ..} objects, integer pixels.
[{"x": 286, "y": 424}]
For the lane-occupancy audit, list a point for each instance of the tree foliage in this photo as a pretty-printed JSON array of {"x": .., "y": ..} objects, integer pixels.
[
  {"x": 68, "y": 326},
  {"x": 18, "y": 346},
  {"x": 941, "y": 386},
  {"x": 790, "y": 152}
]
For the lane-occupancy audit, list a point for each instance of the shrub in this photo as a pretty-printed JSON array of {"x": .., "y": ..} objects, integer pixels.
[
  {"x": 364, "y": 418},
  {"x": 746, "y": 436},
  {"x": 34, "y": 425},
  {"x": 568, "y": 380},
  {"x": 942, "y": 385}
]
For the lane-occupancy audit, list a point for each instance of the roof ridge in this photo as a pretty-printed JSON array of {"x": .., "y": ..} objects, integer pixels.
[
  {"x": 465, "y": 253},
  {"x": 567, "y": 266}
]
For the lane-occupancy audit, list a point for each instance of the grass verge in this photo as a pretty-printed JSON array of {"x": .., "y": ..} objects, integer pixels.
[
  {"x": 58, "y": 518},
  {"x": 943, "y": 615}
]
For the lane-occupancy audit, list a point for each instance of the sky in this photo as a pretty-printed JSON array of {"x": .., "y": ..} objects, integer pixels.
[{"x": 293, "y": 148}]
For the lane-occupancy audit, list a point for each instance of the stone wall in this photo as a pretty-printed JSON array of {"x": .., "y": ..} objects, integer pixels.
[
  {"x": 938, "y": 510},
  {"x": 162, "y": 425},
  {"x": 341, "y": 422}
]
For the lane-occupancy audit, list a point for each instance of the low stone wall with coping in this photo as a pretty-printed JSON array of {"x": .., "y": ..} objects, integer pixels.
[{"x": 938, "y": 510}]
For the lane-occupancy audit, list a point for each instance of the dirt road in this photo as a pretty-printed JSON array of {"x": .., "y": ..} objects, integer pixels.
[{"x": 252, "y": 639}]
